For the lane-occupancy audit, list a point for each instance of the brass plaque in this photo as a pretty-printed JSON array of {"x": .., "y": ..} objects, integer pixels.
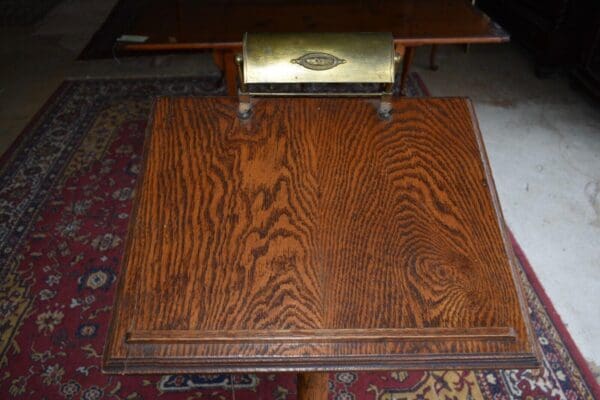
[{"x": 318, "y": 57}]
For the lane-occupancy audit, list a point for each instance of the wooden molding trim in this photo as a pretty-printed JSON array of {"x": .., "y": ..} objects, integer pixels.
[{"x": 319, "y": 335}]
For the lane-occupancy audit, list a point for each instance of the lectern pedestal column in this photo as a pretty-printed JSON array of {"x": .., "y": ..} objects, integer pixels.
[{"x": 313, "y": 385}]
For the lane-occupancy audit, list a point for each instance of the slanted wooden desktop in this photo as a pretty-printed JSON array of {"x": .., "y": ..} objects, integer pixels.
[{"x": 316, "y": 235}]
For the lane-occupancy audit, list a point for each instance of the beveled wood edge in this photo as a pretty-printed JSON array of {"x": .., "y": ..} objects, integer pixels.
[
  {"x": 236, "y": 364},
  {"x": 319, "y": 335},
  {"x": 533, "y": 346},
  {"x": 112, "y": 334}
]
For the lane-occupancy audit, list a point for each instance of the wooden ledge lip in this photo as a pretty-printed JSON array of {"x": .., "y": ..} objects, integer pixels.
[
  {"x": 235, "y": 364},
  {"x": 319, "y": 335}
]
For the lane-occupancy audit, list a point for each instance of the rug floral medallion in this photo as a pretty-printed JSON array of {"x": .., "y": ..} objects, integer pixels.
[{"x": 65, "y": 199}]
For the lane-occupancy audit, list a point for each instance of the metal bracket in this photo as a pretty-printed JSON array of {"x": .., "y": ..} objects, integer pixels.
[{"x": 245, "y": 106}]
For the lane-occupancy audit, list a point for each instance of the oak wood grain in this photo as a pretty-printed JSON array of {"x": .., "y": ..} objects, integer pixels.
[{"x": 316, "y": 236}]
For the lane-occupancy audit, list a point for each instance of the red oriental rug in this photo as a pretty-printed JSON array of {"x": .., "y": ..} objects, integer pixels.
[{"x": 66, "y": 190}]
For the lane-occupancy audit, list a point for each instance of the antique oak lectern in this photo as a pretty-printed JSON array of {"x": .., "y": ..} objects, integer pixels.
[{"x": 323, "y": 232}]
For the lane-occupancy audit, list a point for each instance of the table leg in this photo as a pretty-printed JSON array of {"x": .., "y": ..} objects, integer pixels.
[
  {"x": 313, "y": 385},
  {"x": 432, "y": 64},
  {"x": 409, "y": 54},
  {"x": 231, "y": 73},
  {"x": 467, "y": 46},
  {"x": 225, "y": 61},
  {"x": 218, "y": 59}
]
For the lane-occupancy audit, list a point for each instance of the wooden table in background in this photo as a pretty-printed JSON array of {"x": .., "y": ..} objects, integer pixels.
[
  {"x": 219, "y": 25},
  {"x": 315, "y": 237}
]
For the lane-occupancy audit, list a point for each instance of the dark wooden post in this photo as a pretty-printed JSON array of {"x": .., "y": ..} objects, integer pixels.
[
  {"x": 313, "y": 385},
  {"x": 409, "y": 54}
]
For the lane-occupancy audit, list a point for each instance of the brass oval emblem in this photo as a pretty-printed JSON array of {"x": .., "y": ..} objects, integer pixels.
[{"x": 318, "y": 61}]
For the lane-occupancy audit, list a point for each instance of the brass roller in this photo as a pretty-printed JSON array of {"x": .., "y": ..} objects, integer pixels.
[{"x": 292, "y": 58}]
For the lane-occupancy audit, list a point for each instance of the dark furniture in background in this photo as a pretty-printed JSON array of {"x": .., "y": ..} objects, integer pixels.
[
  {"x": 556, "y": 31},
  {"x": 24, "y": 12},
  {"x": 188, "y": 25},
  {"x": 587, "y": 71}
]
